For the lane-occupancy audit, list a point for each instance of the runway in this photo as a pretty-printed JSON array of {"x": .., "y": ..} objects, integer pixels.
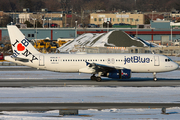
[
  {"x": 85, "y": 82},
  {"x": 22, "y": 76}
]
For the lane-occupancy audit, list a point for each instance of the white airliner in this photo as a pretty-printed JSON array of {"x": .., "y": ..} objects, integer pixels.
[{"x": 118, "y": 66}]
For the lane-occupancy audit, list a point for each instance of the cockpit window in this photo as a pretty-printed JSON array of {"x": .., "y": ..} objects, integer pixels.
[{"x": 168, "y": 60}]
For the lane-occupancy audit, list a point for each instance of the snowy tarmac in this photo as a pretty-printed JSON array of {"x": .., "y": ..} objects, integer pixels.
[
  {"x": 29, "y": 78},
  {"x": 79, "y": 94}
]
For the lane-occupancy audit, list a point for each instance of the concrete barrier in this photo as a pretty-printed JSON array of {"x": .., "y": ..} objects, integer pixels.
[
  {"x": 5, "y": 64},
  {"x": 68, "y": 112}
]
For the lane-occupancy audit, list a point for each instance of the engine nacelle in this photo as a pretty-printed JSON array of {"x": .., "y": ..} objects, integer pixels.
[{"x": 119, "y": 74}]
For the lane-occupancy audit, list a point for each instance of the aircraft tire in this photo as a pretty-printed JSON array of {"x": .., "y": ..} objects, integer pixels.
[
  {"x": 93, "y": 78},
  {"x": 98, "y": 79}
]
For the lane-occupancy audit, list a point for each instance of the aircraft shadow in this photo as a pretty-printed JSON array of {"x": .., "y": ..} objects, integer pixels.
[{"x": 126, "y": 80}]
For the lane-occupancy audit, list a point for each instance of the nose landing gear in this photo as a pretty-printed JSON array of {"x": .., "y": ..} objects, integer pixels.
[{"x": 154, "y": 74}]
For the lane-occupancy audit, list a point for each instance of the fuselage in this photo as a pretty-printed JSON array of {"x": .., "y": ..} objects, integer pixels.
[{"x": 139, "y": 63}]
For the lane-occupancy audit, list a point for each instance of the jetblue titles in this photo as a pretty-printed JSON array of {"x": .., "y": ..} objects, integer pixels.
[{"x": 136, "y": 59}]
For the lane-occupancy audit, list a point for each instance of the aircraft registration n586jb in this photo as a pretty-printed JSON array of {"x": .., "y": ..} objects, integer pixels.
[{"x": 119, "y": 66}]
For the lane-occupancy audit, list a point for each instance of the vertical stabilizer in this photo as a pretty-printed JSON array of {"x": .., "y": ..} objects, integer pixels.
[{"x": 21, "y": 45}]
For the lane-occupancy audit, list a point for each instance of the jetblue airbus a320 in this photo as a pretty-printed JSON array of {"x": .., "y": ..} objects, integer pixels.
[{"x": 118, "y": 66}]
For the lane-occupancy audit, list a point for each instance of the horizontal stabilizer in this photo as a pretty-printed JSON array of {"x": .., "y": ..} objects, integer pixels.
[{"x": 21, "y": 59}]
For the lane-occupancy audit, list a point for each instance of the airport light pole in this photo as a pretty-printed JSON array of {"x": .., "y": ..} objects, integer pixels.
[
  {"x": 43, "y": 22},
  {"x": 152, "y": 15},
  {"x": 17, "y": 20},
  {"x": 75, "y": 29},
  {"x": 102, "y": 22},
  {"x": 34, "y": 21},
  {"x": 49, "y": 23},
  {"x": 107, "y": 26},
  {"x": 136, "y": 28},
  {"x": 171, "y": 34},
  {"x": 36, "y": 30}
]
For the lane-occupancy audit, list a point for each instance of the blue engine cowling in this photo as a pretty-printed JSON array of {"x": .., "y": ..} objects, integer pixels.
[{"x": 120, "y": 74}]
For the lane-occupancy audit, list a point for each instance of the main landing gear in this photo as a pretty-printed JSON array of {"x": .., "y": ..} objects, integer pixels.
[
  {"x": 93, "y": 77},
  {"x": 154, "y": 74}
]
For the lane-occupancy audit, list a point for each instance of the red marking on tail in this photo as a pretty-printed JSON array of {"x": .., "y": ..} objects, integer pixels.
[{"x": 20, "y": 47}]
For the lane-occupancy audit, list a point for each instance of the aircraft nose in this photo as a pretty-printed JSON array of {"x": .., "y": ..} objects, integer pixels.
[{"x": 176, "y": 66}]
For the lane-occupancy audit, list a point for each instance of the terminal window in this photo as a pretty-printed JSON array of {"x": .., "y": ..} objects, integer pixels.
[
  {"x": 30, "y": 35},
  {"x": 95, "y": 19}
]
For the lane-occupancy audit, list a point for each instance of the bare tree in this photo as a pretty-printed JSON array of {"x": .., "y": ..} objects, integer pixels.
[{"x": 79, "y": 5}]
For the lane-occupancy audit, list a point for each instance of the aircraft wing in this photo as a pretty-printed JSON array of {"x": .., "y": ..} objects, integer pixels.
[{"x": 101, "y": 67}]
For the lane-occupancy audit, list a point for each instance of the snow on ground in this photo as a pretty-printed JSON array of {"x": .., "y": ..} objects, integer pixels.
[
  {"x": 88, "y": 94},
  {"x": 92, "y": 114}
]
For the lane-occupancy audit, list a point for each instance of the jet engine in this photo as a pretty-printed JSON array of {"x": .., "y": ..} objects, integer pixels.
[{"x": 119, "y": 74}]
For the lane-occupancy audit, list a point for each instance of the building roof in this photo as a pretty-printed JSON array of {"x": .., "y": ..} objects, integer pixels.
[{"x": 116, "y": 38}]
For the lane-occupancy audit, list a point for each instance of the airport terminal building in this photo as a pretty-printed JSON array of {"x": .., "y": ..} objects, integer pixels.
[{"x": 160, "y": 32}]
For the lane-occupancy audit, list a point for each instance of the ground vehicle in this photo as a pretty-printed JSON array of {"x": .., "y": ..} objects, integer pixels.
[
  {"x": 176, "y": 42},
  {"x": 1, "y": 56},
  {"x": 54, "y": 25},
  {"x": 92, "y": 26}
]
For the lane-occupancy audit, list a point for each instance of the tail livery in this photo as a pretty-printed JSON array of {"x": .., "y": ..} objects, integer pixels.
[{"x": 21, "y": 46}]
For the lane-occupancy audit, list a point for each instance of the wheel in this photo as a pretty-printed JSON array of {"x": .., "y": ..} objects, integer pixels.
[
  {"x": 98, "y": 79},
  {"x": 93, "y": 77},
  {"x": 154, "y": 74}
]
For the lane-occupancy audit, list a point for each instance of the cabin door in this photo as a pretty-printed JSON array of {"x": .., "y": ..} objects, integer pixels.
[
  {"x": 156, "y": 60},
  {"x": 41, "y": 60}
]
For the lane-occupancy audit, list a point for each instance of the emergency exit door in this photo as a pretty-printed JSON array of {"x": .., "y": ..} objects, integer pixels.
[
  {"x": 41, "y": 60},
  {"x": 156, "y": 60}
]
